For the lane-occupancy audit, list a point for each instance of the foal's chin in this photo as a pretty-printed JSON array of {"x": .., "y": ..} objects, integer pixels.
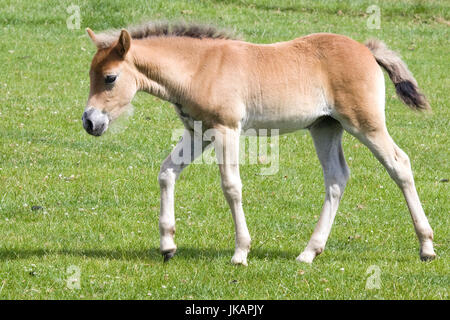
[{"x": 99, "y": 132}]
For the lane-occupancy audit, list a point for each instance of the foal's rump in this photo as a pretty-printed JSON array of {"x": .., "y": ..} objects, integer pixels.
[{"x": 355, "y": 82}]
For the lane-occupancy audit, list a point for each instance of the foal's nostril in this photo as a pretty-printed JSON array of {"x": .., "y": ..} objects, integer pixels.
[{"x": 88, "y": 125}]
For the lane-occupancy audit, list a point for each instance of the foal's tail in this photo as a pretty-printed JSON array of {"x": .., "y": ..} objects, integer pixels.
[{"x": 405, "y": 84}]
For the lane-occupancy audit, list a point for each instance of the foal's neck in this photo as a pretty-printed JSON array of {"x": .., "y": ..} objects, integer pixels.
[{"x": 167, "y": 65}]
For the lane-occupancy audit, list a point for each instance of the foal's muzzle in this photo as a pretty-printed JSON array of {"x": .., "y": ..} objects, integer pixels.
[{"x": 95, "y": 122}]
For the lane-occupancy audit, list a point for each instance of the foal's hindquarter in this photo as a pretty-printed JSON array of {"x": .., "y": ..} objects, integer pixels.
[{"x": 324, "y": 83}]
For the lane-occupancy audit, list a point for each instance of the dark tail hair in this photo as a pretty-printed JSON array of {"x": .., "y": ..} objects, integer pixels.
[{"x": 405, "y": 84}]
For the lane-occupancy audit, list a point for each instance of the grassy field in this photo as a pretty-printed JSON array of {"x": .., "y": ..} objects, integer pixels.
[{"x": 72, "y": 205}]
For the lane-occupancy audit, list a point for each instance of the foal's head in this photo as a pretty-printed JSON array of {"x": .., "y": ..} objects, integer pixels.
[{"x": 113, "y": 83}]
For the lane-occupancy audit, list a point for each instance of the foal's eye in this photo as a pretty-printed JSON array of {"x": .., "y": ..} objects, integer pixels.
[{"x": 110, "y": 79}]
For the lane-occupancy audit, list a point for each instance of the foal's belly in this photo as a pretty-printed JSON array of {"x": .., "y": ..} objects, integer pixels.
[{"x": 279, "y": 120}]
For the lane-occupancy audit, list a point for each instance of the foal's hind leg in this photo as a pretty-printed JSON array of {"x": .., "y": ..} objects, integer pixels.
[
  {"x": 169, "y": 173},
  {"x": 327, "y": 136},
  {"x": 398, "y": 166}
]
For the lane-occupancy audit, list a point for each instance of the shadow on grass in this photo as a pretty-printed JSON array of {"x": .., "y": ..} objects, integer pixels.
[{"x": 144, "y": 255}]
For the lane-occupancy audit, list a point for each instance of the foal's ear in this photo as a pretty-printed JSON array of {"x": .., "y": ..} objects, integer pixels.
[
  {"x": 92, "y": 36},
  {"x": 124, "y": 43}
]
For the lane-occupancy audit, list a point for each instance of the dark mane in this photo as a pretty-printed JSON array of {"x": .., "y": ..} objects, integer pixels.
[
  {"x": 178, "y": 29},
  {"x": 168, "y": 29}
]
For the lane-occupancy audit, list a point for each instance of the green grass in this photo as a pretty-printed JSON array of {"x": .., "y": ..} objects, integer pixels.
[{"x": 100, "y": 197}]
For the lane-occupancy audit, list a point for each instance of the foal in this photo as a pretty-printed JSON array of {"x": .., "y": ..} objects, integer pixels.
[{"x": 325, "y": 83}]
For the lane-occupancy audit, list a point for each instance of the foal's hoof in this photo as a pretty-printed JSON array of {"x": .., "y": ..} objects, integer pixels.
[
  {"x": 427, "y": 256},
  {"x": 427, "y": 251},
  {"x": 240, "y": 257},
  {"x": 168, "y": 255},
  {"x": 237, "y": 261},
  {"x": 306, "y": 257}
]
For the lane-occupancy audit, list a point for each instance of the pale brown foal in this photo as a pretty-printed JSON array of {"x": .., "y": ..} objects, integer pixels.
[{"x": 326, "y": 83}]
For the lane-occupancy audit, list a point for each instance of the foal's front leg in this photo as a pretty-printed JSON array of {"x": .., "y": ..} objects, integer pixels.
[
  {"x": 226, "y": 144},
  {"x": 169, "y": 173}
]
